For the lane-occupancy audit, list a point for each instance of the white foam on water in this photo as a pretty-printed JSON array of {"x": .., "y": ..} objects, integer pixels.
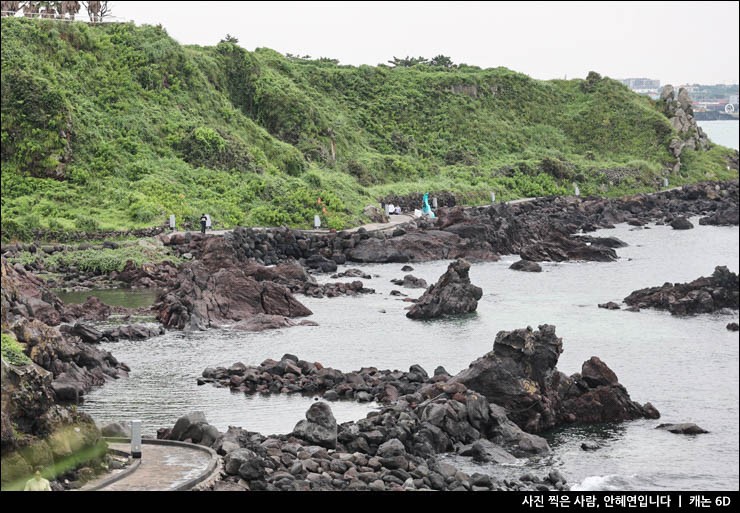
[{"x": 601, "y": 483}]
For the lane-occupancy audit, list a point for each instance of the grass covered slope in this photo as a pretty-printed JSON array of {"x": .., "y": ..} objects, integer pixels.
[{"x": 116, "y": 126}]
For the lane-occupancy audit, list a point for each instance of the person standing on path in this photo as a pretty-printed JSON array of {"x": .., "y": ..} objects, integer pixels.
[
  {"x": 203, "y": 221},
  {"x": 37, "y": 484}
]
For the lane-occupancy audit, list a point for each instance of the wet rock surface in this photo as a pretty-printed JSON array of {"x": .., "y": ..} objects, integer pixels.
[
  {"x": 686, "y": 428},
  {"x": 703, "y": 295},
  {"x": 489, "y": 412},
  {"x": 453, "y": 294},
  {"x": 205, "y": 298},
  {"x": 520, "y": 375},
  {"x": 526, "y": 266}
]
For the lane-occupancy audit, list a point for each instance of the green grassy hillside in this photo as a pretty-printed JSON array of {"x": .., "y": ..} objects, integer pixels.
[{"x": 116, "y": 126}]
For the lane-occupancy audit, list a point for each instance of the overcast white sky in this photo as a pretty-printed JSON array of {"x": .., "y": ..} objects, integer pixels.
[{"x": 675, "y": 42}]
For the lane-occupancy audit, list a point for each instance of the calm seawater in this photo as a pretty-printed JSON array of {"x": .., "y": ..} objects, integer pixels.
[
  {"x": 726, "y": 133},
  {"x": 687, "y": 367}
]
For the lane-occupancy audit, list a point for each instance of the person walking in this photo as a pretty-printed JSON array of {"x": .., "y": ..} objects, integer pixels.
[{"x": 203, "y": 222}]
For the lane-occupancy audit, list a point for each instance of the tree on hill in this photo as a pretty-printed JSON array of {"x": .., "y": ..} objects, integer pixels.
[
  {"x": 68, "y": 8},
  {"x": 407, "y": 62},
  {"x": 440, "y": 61},
  {"x": 97, "y": 11}
]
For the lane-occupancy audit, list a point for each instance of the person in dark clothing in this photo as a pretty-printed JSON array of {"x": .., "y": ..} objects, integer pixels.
[{"x": 203, "y": 221}]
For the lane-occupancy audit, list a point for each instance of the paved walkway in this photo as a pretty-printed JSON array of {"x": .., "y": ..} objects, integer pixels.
[
  {"x": 394, "y": 221},
  {"x": 162, "y": 467}
]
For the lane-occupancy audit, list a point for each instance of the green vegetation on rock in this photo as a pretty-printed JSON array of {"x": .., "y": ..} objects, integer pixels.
[
  {"x": 99, "y": 260},
  {"x": 114, "y": 126},
  {"x": 12, "y": 351}
]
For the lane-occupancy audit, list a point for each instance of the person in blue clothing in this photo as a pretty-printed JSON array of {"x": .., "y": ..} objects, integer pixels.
[{"x": 426, "y": 209}]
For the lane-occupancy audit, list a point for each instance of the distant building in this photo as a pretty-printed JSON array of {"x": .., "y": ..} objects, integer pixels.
[
  {"x": 637, "y": 84},
  {"x": 646, "y": 86}
]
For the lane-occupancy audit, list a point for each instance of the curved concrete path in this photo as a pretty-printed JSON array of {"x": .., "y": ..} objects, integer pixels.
[{"x": 169, "y": 467}]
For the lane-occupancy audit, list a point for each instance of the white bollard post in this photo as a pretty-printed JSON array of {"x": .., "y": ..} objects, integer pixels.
[
  {"x": 434, "y": 202},
  {"x": 172, "y": 222},
  {"x": 665, "y": 182},
  {"x": 576, "y": 189},
  {"x": 136, "y": 438},
  {"x": 316, "y": 221},
  {"x": 493, "y": 197}
]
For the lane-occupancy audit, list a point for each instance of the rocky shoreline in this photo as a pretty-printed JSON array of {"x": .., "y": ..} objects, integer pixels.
[
  {"x": 248, "y": 278},
  {"x": 38, "y": 429}
]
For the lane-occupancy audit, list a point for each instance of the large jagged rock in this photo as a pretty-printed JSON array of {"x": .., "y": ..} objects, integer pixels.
[
  {"x": 25, "y": 296},
  {"x": 76, "y": 366},
  {"x": 520, "y": 375},
  {"x": 205, "y": 298},
  {"x": 703, "y": 295},
  {"x": 681, "y": 223},
  {"x": 93, "y": 309},
  {"x": 320, "y": 426},
  {"x": 557, "y": 248},
  {"x": 453, "y": 294},
  {"x": 680, "y": 113}
]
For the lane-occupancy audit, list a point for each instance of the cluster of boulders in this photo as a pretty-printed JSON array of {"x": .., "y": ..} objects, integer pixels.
[
  {"x": 482, "y": 413},
  {"x": 33, "y": 314},
  {"x": 64, "y": 273},
  {"x": 292, "y": 375},
  {"x": 703, "y": 295},
  {"x": 538, "y": 230},
  {"x": 392, "y": 449},
  {"x": 519, "y": 375},
  {"x": 36, "y": 430},
  {"x": 337, "y": 289},
  {"x": 410, "y": 282}
]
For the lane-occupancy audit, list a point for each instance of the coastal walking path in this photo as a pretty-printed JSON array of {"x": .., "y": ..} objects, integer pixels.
[
  {"x": 395, "y": 220},
  {"x": 168, "y": 467}
]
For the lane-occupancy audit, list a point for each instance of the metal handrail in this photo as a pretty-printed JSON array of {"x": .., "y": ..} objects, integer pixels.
[{"x": 58, "y": 17}]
